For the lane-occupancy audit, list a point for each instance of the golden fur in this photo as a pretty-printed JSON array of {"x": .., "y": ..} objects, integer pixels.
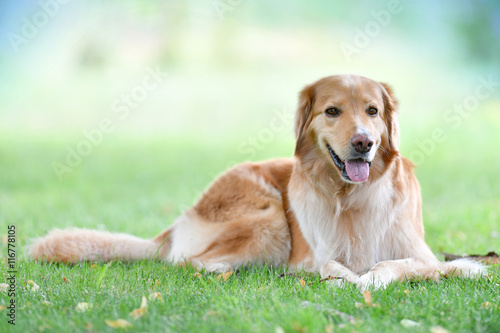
[{"x": 308, "y": 212}]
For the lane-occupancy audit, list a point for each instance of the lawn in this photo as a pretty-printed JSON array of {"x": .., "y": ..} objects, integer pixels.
[
  {"x": 225, "y": 81},
  {"x": 139, "y": 185}
]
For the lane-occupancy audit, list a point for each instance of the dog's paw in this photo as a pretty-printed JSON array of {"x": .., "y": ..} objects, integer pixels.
[
  {"x": 374, "y": 280},
  {"x": 338, "y": 274},
  {"x": 212, "y": 267}
]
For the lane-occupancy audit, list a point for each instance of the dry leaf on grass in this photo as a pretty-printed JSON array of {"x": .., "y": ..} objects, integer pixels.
[
  {"x": 3, "y": 287},
  {"x": 83, "y": 306},
  {"x": 197, "y": 275},
  {"x": 119, "y": 323},
  {"x": 224, "y": 276},
  {"x": 156, "y": 295},
  {"x": 407, "y": 292},
  {"x": 137, "y": 313},
  {"x": 65, "y": 279},
  {"x": 2, "y": 307},
  {"x": 302, "y": 283},
  {"x": 33, "y": 286},
  {"x": 368, "y": 298},
  {"x": 486, "y": 305}
]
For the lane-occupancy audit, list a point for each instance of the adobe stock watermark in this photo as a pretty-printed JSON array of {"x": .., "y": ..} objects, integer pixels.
[
  {"x": 121, "y": 109},
  {"x": 279, "y": 124},
  {"x": 31, "y": 26},
  {"x": 372, "y": 29},
  {"x": 223, "y": 6},
  {"x": 455, "y": 117}
]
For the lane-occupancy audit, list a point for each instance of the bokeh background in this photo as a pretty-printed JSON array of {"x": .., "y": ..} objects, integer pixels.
[{"x": 227, "y": 73}]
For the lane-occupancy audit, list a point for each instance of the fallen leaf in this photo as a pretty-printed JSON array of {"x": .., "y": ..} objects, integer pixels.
[
  {"x": 197, "y": 275},
  {"x": 302, "y": 283},
  {"x": 409, "y": 323},
  {"x": 154, "y": 296},
  {"x": 3, "y": 287},
  {"x": 137, "y": 313},
  {"x": 486, "y": 305},
  {"x": 2, "y": 307},
  {"x": 407, "y": 292},
  {"x": 119, "y": 323},
  {"x": 88, "y": 326},
  {"x": 367, "y": 295},
  {"x": 65, "y": 280},
  {"x": 157, "y": 283},
  {"x": 34, "y": 286},
  {"x": 439, "y": 329},
  {"x": 83, "y": 306},
  {"x": 224, "y": 276}
]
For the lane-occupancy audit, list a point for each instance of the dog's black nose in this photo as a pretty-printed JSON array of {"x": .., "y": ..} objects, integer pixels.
[{"x": 361, "y": 143}]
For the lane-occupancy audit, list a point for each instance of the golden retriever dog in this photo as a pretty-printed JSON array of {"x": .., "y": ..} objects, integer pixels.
[{"x": 347, "y": 205}]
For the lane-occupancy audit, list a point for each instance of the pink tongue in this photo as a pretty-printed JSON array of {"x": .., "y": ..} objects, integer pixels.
[{"x": 357, "y": 170}]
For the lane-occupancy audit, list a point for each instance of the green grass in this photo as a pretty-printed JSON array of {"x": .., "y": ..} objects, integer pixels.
[
  {"x": 252, "y": 300},
  {"x": 139, "y": 185}
]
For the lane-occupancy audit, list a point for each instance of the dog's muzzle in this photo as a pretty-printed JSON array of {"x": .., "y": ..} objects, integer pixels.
[{"x": 353, "y": 170}]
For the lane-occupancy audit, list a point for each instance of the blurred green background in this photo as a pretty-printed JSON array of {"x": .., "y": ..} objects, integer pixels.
[{"x": 225, "y": 90}]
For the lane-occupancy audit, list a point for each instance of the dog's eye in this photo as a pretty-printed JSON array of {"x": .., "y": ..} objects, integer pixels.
[
  {"x": 332, "y": 112},
  {"x": 372, "y": 111}
]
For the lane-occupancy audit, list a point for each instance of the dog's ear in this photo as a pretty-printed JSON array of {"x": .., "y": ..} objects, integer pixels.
[
  {"x": 304, "y": 113},
  {"x": 391, "y": 106}
]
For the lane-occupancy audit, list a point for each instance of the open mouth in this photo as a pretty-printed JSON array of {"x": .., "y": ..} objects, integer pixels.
[{"x": 355, "y": 170}]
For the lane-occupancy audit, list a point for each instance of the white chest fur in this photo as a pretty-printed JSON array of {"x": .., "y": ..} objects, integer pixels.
[{"x": 353, "y": 230}]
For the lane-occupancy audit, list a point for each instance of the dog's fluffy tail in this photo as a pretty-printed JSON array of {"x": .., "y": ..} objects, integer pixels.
[
  {"x": 462, "y": 267},
  {"x": 74, "y": 245}
]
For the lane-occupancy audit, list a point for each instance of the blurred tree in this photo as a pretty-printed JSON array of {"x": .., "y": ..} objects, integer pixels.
[{"x": 478, "y": 26}]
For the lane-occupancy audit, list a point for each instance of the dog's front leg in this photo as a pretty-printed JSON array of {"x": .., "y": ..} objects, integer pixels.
[
  {"x": 387, "y": 271},
  {"x": 338, "y": 272}
]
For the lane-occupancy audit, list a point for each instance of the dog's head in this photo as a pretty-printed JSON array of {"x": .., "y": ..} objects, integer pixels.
[{"x": 349, "y": 121}]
